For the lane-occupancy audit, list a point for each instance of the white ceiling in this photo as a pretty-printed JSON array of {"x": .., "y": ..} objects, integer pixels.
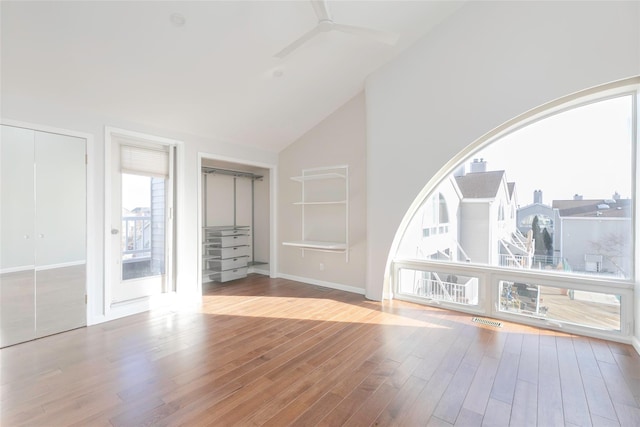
[{"x": 213, "y": 76}]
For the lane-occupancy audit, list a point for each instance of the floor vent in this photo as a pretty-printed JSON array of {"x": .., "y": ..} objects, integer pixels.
[{"x": 487, "y": 322}]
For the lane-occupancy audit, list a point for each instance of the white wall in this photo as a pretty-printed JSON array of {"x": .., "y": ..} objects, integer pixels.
[
  {"x": 338, "y": 140},
  {"x": 488, "y": 63},
  {"x": 75, "y": 118}
]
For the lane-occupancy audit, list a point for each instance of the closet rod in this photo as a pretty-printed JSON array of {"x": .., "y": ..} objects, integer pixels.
[{"x": 237, "y": 174}]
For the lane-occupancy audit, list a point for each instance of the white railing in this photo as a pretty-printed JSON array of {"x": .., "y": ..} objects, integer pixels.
[
  {"x": 536, "y": 262},
  {"x": 136, "y": 232},
  {"x": 442, "y": 290},
  {"x": 515, "y": 261}
]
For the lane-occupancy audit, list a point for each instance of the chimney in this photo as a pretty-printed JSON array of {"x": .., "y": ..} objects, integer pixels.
[
  {"x": 537, "y": 196},
  {"x": 478, "y": 165},
  {"x": 577, "y": 196}
]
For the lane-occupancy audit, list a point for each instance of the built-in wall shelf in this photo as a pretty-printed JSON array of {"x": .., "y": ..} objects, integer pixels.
[
  {"x": 313, "y": 177},
  {"x": 324, "y": 210},
  {"x": 314, "y": 244},
  {"x": 337, "y": 202}
]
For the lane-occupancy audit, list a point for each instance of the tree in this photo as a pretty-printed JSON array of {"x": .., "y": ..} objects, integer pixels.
[
  {"x": 543, "y": 242},
  {"x": 614, "y": 247},
  {"x": 548, "y": 242},
  {"x": 539, "y": 248}
]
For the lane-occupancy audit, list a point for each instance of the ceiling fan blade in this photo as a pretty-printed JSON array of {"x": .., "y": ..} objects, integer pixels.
[
  {"x": 378, "y": 35},
  {"x": 297, "y": 43},
  {"x": 321, "y": 7}
]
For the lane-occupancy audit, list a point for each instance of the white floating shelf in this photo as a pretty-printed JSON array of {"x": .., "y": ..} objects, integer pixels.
[
  {"x": 318, "y": 176},
  {"x": 337, "y": 202},
  {"x": 314, "y": 244}
]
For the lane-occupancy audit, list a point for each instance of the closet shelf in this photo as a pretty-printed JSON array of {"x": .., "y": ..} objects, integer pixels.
[
  {"x": 317, "y": 176},
  {"x": 314, "y": 244}
]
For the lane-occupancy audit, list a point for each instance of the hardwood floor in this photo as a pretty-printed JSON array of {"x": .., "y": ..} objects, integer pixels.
[{"x": 276, "y": 353}]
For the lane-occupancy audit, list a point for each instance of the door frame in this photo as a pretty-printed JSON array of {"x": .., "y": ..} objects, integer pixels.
[
  {"x": 92, "y": 246},
  {"x": 273, "y": 197},
  {"x": 112, "y": 310}
]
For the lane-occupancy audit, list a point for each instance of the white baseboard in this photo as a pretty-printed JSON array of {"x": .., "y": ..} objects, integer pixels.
[
  {"x": 324, "y": 284},
  {"x": 258, "y": 270},
  {"x": 636, "y": 344}
]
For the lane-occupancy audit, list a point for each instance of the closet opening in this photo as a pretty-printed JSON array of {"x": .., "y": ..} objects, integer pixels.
[{"x": 236, "y": 222}]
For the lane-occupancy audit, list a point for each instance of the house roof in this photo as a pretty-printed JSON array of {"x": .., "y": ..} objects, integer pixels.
[
  {"x": 480, "y": 185},
  {"x": 620, "y": 208},
  {"x": 512, "y": 187}
]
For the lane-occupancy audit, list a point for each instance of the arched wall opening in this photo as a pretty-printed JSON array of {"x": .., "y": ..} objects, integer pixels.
[{"x": 482, "y": 262}]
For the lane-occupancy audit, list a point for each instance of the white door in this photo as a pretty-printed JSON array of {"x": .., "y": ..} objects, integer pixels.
[
  {"x": 142, "y": 223},
  {"x": 42, "y": 234}
]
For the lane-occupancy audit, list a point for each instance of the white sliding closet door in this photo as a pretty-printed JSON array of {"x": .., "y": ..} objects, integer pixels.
[{"x": 42, "y": 234}]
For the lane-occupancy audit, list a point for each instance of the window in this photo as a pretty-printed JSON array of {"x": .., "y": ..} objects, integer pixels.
[
  {"x": 434, "y": 212},
  {"x": 562, "y": 259}
]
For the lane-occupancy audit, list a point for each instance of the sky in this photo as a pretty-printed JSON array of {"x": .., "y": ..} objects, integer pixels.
[
  {"x": 585, "y": 150},
  {"x": 136, "y": 191}
]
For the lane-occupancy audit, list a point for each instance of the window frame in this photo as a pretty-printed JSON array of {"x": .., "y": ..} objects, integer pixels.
[{"x": 490, "y": 276}]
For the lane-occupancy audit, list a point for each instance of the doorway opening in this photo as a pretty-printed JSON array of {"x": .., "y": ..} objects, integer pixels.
[{"x": 236, "y": 221}]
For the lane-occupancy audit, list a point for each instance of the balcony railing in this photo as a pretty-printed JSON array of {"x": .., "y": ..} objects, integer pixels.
[
  {"x": 461, "y": 293},
  {"x": 515, "y": 261},
  {"x": 136, "y": 238}
]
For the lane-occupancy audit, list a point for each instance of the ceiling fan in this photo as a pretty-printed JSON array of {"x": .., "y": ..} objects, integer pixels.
[{"x": 326, "y": 24}]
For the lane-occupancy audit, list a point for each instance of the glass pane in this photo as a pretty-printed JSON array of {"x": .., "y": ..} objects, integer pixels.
[
  {"x": 441, "y": 286},
  {"x": 60, "y": 225},
  {"x": 17, "y": 261},
  {"x": 567, "y": 178},
  {"x": 143, "y": 226},
  {"x": 590, "y": 309}
]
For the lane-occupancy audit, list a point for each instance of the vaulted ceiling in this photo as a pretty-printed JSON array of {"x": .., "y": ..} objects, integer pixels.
[{"x": 205, "y": 68}]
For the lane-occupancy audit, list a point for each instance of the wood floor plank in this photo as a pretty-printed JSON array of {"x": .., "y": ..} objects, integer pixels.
[
  {"x": 504, "y": 384},
  {"x": 598, "y": 398},
  {"x": 481, "y": 386},
  {"x": 617, "y": 385},
  {"x": 263, "y": 351},
  {"x": 524, "y": 409},
  {"x": 498, "y": 413},
  {"x": 403, "y": 400},
  {"x": 550, "y": 409},
  {"x": 354, "y": 400},
  {"x": 451, "y": 402},
  {"x": 528, "y": 365},
  {"x": 574, "y": 400}
]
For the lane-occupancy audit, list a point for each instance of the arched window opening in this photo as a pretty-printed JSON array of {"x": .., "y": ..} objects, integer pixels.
[{"x": 512, "y": 258}]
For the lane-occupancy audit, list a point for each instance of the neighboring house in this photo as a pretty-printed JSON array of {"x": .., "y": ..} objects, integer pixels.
[
  {"x": 472, "y": 217},
  {"x": 526, "y": 214},
  {"x": 487, "y": 220},
  {"x": 595, "y": 235},
  {"x": 433, "y": 232}
]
